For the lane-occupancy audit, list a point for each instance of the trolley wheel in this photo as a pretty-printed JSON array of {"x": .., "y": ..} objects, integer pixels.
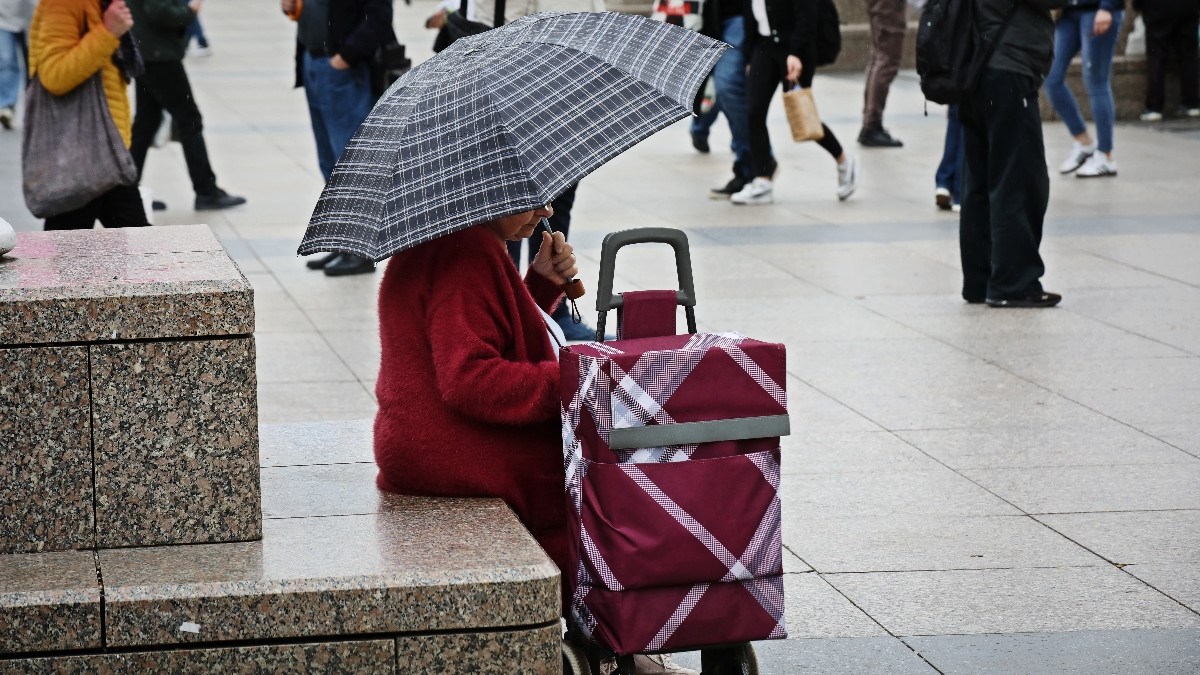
[
  {"x": 735, "y": 660},
  {"x": 575, "y": 659}
]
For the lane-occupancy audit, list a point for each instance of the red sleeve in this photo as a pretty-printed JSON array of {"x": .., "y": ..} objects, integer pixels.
[
  {"x": 545, "y": 292},
  {"x": 470, "y": 321}
]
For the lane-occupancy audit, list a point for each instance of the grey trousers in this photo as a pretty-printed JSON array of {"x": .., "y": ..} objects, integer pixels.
[{"x": 883, "y": 61}]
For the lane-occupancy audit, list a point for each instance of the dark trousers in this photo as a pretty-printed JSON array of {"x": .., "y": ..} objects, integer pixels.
[
  {"x": 1172, "y": 37},
  {"x": 165, "y": 86},
  {"x": 1005, "y": 188},
  {"x": 119, "y": 207},
  {"x": 559, "y": 222},
  {"x": 883, "y": 59},
  {"x": 768, "y": 68}
]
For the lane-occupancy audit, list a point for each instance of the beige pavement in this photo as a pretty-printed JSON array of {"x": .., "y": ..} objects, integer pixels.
[{"x": 967, "y": 489}]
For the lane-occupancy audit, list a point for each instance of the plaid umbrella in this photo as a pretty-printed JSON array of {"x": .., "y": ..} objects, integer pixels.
[{"x": 503, "y": 122}]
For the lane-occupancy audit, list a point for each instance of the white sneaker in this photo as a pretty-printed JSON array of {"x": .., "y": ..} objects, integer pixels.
[
  {"x": 1097, "y": 166},
  {"x": 847, "y": 178},
  {"x": 6, "y": 117},
  {"x": 757, "y": 191},
  {"x": 1192, "y": 112},
  {"x": 1151, "y": 116},
  {"x": 196, "y": 51},
  {"x": 1079, "y": 155}
]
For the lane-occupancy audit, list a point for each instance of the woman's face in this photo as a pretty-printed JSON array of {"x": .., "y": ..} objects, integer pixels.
[{"x": 519, "y": 226}]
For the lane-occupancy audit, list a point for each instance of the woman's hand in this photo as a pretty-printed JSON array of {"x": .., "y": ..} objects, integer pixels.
[
  {"x": 793, "y": 68},
  {"x": 117, "y": 18},
  {"x": 555, "y": 260},
  {"x": 1103, "y": 22},
  {"x": 338, "y": 63}
]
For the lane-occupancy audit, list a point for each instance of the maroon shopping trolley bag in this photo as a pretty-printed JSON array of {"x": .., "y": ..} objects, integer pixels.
[{"x": 671, "y": 451}]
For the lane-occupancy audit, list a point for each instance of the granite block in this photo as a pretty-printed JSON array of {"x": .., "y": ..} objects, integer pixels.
[
  {"x": 49, "y": 602},
  {"x": 175, "y": 430},
  {"x": 128, "y": 283},
  {"x": 364, "y": 656},
  {"x": 46, "y": 455},
  {"x": 453, "y": 565},
  {"x": 537, "y": 651}
]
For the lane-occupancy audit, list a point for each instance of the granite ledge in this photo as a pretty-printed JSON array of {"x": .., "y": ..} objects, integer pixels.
[{"x": 49, "y": 602}]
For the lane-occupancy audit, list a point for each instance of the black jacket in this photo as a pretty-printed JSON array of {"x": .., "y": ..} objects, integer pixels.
[
  {"x": 357, "y": 29},
  {"x": 793, "y": 27},
  {"x": 158, "y": 27},
  {"x": 1027, "y": 46}
]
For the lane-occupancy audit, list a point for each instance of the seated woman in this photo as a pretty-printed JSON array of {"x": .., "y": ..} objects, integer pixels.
[{"x": 468, "y": 385}]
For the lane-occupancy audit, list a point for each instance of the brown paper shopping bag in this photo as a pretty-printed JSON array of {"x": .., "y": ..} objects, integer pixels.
[{"x": 802, "y": 114}]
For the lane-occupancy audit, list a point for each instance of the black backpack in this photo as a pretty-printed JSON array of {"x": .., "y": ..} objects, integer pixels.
[
  {"x": 829, "y": 33},
  {"x": 951, "y": 54}
]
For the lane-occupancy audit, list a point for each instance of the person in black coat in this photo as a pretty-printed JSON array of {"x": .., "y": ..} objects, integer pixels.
[
  {"x": 781, "y": 47},
  {"x": 335, "y": 42}
]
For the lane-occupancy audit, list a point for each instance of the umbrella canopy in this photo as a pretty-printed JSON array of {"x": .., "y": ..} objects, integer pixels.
[{"x": 503, "y": 122}]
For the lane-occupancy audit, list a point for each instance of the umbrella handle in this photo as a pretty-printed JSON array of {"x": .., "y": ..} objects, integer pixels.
[{"x": 574, "y": 287}]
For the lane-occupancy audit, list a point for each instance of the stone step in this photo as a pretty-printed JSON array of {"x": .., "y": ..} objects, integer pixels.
[
  {"x": 128, "y": 405},
  {"x": 345, "y": 579}
]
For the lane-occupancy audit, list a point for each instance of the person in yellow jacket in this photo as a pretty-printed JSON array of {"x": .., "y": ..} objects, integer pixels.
[{"x": 69, "y": 42}]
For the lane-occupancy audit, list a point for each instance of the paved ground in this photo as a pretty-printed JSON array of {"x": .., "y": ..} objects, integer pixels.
[{"x": 967, "y": 490}]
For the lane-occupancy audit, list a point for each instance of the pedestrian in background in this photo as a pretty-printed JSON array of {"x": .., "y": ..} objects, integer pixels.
[
  {"x": 947, "y": 193},
  {"x": 1089, "y": 27},
  {"x": 195, "y": 33},
  {"x": 159, "y": 27},
  {"x": 781, "y": 43},
  {"x": 1172, "y": 28},
  {"x": 69, "y": 42},
  {"x": 883, "y": 62},
  {"x": 334, "y": 45},
  {"x": 14, "y": 21},
  {"x": 1006, "y": 184}
]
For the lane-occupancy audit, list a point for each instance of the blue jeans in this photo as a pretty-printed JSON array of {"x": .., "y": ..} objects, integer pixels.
[
  {"x": 338, "y": 102},
  {"x": 1073, "y": 35},
  {"x": 11, "y": 80},
  {"x": 195, "y": 31},
  {"x": 729, "y": 76},
  {"x": 949, "y": 172}
]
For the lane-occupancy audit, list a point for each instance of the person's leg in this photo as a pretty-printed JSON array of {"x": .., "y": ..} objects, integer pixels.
[
  {"x": 701, "y": 125},
  {"x": 829, "y": 143},
  {"x": 761, "y": 84},
  {"x": 122, "y": 207},
  {"x": 1067, "y": 43},
  {"x": 1018, "y": 183},
  {"x": 974, "y": 223},
  {"x": 730, "y": 76},
  {"x": 148, "y": 115},
  {"x": 170, "y": 83},
  {"x": 316, "y": 94},
  {"x": 1187, "y": 47},
  {"x": 946, "y": 176},
  {"x": 10, "y": 70},
  {"x": 1098, "y": 52},
  {"x": 1159, "y": 30},
  {"x": 82, "y": 218},
  {"x": 883, "y": 62}
]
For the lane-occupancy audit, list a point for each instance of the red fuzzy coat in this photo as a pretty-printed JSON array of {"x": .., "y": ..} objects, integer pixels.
[{"x": 468, "y": 385}]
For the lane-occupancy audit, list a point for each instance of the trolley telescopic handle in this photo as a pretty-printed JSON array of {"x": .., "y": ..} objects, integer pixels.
[{"x": 613, "y": 241}]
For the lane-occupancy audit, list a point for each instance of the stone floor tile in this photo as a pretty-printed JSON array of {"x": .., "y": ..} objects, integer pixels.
[
  {"x": 1102, "y": 442},
  {"x": 302, "y": 444},
  {"x": 49, "y": 602},
  {"x": 814, "y": 609},
  {"x": 1179, "y": 581},
  {"x": 1072, "y": 489},
  {"x": 312, "y": 402},
  {"x": 358, "y": 349},
  {"x": 892, "y": 543},
  {"x": 850, "y": 452},
  {"x": 935, "y": 492},
  {"x": 1011, "y": 601},
  {"x": 299, "y": 357},
  {"x": 811, "y": 410},
  {"x": 832, "y": 656},
  {"x": 320, "y": 490},
  {"x": 1130, "y": 652},
  {"x": 1134, "y": 537}
]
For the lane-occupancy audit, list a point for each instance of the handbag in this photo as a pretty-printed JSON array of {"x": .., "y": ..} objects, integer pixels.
[
  {"x": 71, "y": 151},
  {"x": 802, "y": 114}
]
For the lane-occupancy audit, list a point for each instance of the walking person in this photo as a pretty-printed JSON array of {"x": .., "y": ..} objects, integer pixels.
[
  {"x": 1172, "y": 28},
  {"x": 195, "y": 33},
  {"x": 334, "y": 45},
  {"x": 14, "y": 21},
  {"x": 69, "y": 42},
  {"x": 947, "y": 193},
  {"x": 1006, "y": 184},
  {"x": 159, "y": 27},
  {"x": 1089, "y": 27},
  {"x": 883, "y": 62},
  {"x": 782, "y": 47},
  {"x": 724, "y": 20}
]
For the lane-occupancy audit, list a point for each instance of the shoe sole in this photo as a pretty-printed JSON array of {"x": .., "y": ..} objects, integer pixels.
[
  {"x": 1106, "y": 174},
  {"x": 754, "y": 202},
  {"x": 1022, "y": 304},
  {"x": 719, "y": 196},
  {"x": 1076, "y": 167}
]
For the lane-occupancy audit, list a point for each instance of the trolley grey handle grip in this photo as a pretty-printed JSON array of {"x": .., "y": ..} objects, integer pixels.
[{"x": 614, "y": 241}]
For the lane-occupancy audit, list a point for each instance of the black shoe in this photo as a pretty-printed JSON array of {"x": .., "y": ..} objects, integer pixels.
[
  {"x": 322, "y": 262},
  {"x": 700, "y": 143},
  {"x": 877, "y": 137},
  {"x": 218, "y": 200},
  {"x": 348, "y": 264},
  {"x": 158, "y": 205},
  {"x": 974, "y": 299},
  {"x": 1038, "y": 300},
  {"x": 726, "y": 191}
]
